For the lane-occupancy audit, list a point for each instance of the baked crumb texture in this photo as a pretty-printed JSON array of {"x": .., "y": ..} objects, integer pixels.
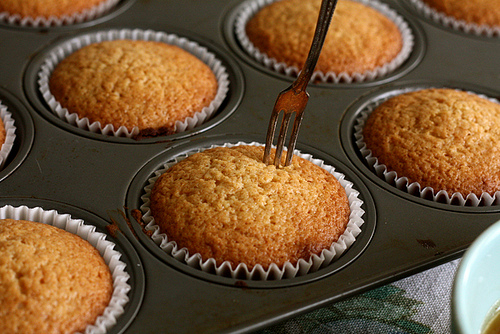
[
  {"x": 284, "y": 30},
  {"x": 225, "y": 203},
  {"x": 441, "y": 138},
  {"x": 51, "y": 281},
  {"x": 480, "y": 12},
  {"x": 133, "y": 83},
  {"x": 47, "y": 8}
]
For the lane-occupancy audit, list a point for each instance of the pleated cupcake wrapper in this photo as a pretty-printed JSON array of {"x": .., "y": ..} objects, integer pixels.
[
  {"x": 251, "y": 7},
  {"x": 274, "y": 272},
  {"x": 64, "y": 50},
  {"x": 57, "y": 21},
  {"x": 451, "y": 22},
  {"x": 10, "y": 134},
  {"x": 105, "y": 247},
  {"x": 401, "y": 182}
]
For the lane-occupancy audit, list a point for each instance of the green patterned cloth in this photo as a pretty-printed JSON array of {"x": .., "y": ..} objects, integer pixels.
[{"x": 419, "y": 304}]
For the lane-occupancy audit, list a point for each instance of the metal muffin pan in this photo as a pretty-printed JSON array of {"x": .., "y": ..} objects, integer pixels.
[{"x": 100, "y": 179}]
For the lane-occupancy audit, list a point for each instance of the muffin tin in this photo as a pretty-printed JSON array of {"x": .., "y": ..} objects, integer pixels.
[{"x": 100, "y": 179}]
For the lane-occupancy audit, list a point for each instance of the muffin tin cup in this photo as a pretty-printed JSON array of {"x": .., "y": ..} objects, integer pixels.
[
  {"x": 62, "y": 51},
  {"x": 251, "y": 7},
  {"x": 10, "y": 134},
  {"x": 53, "y": 21},
  {"x": 98, "y": 240},
  {"x": 453, "y": 23},
  {"x": 21, "y": 145},
  {"x": 274, "y": 272},
  {"x": 400, "y": 181}
]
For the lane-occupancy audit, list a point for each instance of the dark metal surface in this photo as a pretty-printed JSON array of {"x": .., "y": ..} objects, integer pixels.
[{"x": 100, "y": 179}]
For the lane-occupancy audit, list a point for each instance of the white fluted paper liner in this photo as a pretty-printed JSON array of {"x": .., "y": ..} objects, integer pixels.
[
  {"x": 251, "y": 7},
  {"x": 401, "y": 182},
  {"x": 105, "y": 247},
  {"x": 10, "y": 134},
  {"x": 64, "y": 50},
  {"x": 274, "y": 272},
  {"x": 451, "y": 22},
  {"x": 56, "y": 21}
]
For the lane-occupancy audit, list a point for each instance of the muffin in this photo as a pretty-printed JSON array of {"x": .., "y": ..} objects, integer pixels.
[
  {"x": 7, "y": 134},
  {"x": 225, "y": 204},
  {"x": 47, "y": 8},
  {"x": 479, "y": 12},
  {"x": 44, "y": 13},
  {"x": 283, "y": 30},
  {"x": 440, "y": 138},
  {"x": 3, "y": 133},
  {"x": 142, "y": 84},
  {"x": 51, "y": 281}
]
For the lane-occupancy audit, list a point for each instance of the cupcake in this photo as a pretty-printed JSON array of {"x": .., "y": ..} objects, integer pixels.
[
  {"x": 441, "y": 139},
  {"x": 56, "y": 281},
  {"x": 3, "y": 134},
  {"x": 7, "y": 134},
  {"x": 52, "y": 281},
  {"x": 145, "y": 84},
  {"x": 227, "y": 207},
  {"x": 374, "y": 44},
  {"x": 478, "y": 16},
  {"x": 52, "y": 12},
  {"x": 476, "y": 12},
  {"x": 131, "y": 82}
]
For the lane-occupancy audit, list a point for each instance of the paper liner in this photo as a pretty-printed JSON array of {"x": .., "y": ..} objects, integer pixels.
[
  {"x": 274, "y": 272},
  {"x": 251, "y": 7},
  {"x": 56, "y": 21},
  {"x": 10, "y": 134},
  {"x": 451, "y": 22},
  {"x": 105, "y": 247},
  {"x": 401, "y": 182},
  {"x": 62, "y": 51}
]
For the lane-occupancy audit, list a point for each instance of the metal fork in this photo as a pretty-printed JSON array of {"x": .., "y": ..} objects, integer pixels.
[{"x": 294, "y": 98}]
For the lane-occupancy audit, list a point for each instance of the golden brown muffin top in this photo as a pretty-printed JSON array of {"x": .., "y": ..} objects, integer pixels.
[
  {"x": 51, "y": 281},
  {"x": 359, "y": 38},
  {"x": 225, "y": 203},
  {"x": 479, "y": 12},
  {"x": 441, "y": 138},
  {"x": 133, "y": 83},
  {"x": 47, "y": 8}
]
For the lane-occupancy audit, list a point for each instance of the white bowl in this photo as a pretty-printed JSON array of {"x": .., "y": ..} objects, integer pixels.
[{"x": 476, "y": 288}]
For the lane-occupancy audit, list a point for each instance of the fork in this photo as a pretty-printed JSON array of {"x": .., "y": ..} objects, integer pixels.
[{"x": 294, "y": 98}]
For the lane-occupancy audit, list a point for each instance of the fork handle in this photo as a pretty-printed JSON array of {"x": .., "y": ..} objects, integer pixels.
[{"x": 324, "y": 18}]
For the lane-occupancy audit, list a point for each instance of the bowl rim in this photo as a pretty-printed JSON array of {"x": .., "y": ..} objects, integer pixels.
[{"x": 460, "y": 321}]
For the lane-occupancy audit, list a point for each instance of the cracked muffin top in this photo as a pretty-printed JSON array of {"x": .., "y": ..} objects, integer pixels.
[{"x": 225, "y": 203}]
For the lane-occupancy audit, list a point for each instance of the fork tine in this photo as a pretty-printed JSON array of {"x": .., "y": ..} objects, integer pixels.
[
  {"x": 270, "y": 136},
  {"x": 281, "y": 138},
  {"x": 293, "y": 138},
  {"x": 289, "y": 102},
  {"x": 294, "y": 98}
]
